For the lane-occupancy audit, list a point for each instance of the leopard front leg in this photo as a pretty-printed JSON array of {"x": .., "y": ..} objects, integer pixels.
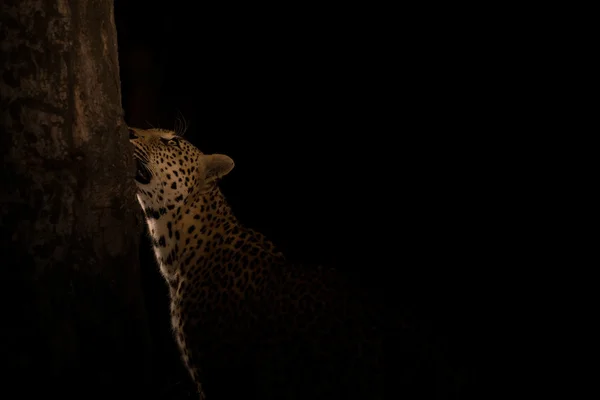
[{"x": 200, "y": 391}]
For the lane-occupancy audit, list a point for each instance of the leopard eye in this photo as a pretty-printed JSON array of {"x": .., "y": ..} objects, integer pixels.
[{"x": 170, "y": 142}]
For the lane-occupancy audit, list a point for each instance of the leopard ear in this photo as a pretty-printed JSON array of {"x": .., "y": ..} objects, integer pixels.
[{"x": 217, "y": 166}]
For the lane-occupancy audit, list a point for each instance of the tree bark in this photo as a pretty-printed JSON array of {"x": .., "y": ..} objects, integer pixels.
[{"x": 73, "y": 319}]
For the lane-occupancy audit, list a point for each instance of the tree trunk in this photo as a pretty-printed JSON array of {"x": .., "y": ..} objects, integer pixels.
[{"x": 73, "y": 319}]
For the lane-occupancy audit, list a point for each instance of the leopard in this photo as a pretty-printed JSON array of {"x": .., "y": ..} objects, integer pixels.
[{"x": 245, "y": 318}]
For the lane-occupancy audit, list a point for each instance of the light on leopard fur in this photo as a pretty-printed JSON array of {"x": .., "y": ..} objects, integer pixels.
[{"x": 235, "y": 303}]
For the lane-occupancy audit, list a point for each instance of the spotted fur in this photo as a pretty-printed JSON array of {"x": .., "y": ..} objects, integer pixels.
[{"x": 236, "y": 304}]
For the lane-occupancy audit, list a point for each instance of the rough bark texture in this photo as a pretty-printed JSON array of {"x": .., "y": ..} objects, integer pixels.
[{"x": 73, "y": 321}]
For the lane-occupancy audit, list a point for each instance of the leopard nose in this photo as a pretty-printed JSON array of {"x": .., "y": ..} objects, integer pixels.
[{"x": 132, "y": 134}]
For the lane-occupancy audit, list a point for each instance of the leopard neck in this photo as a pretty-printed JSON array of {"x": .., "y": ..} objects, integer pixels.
[{"x": 184, "y": 234}]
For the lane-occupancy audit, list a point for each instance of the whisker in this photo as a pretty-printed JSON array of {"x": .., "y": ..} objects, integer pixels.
[
  {"x": 181, "y": 125},
  {"x": 156, "y": 173},
  {"x": 141, "y": 154},
  {"x": 145, "y": 166}
]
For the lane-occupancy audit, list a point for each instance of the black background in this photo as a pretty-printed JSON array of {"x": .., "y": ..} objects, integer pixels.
[{"x": 359, "y": 142}]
